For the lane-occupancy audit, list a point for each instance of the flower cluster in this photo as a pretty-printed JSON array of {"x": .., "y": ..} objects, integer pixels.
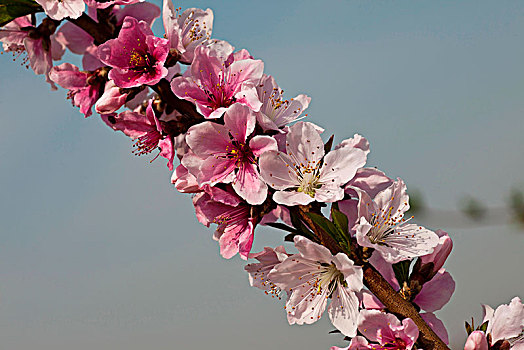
[{"x": 247, "y": 157}]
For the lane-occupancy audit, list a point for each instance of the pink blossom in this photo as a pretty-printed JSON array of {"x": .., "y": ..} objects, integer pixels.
[
  {"x": 235, "y": 231},
  {"x": 20, "y": 36},
  {"x": 84, "y": 87},
  {"x": 60, "y": 9},
  {"x": 214, "y": 82},
  {"x": 80, "y": 42},
  {"x": 312, "y": 277},
  {"x": 303, "y": 174},
  {"x": 137, "y": 56},
  {"x": 146, "y": 130},
  {"x": 476, "y": 341},
  {"x": 386, "y": 330},
  {"x": 381, "y": 225},
  {"x": 275, "y": 111},
  {"x": 187, "y": 30},
  {"x": 258, "y": 272},
  {"x": 227, "y": 155},
  {"x": 506, "y": 323}
]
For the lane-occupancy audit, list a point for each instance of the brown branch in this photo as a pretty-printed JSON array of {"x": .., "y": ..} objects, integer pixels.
[
  {"x": 101, "y": 32},
  {"x": 392, "y": 300}
]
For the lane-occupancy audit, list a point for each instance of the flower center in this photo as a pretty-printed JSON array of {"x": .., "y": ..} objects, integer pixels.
[
  {"x": 384, "y": 222},
  {"x": 329, "y": 275},
  {"x": 309, "y": 183}
]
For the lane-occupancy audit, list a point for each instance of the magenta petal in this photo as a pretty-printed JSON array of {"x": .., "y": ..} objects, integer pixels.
[
  {"x": 436, "y": 293},
  {"x": 240, "y": 122}
]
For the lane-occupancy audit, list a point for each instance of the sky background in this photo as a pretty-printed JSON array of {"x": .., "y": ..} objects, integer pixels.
[{"x": 98, "y": 251}]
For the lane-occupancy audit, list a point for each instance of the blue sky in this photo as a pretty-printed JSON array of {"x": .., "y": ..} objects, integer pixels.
[{"x": 98, "y": 251}]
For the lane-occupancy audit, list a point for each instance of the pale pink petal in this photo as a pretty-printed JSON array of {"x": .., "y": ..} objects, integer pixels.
[
  {"x": 370, "y": 180},
  {"x": 508, "y": 320},
  {"x": 291, "y": 198},
  {"x": 343, "y": 311},
  {"x": 275, "y": 169},
  {"x": 395, "y": 197},
  {"x": 304, "y": 143},
  {"x": 357, "y": 141}
]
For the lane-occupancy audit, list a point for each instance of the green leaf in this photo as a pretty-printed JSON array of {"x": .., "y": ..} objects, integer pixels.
[
  {"x": 401, "y": 270},
  {"x": 328, "y": 144},
  {"x": 12, "y": 9},
  {"x": 282, "y": 226},
  {"x": 324, "y": 223},
  {"x": 340, "y": 220},
  {"x": 483, "y": 327},
  {"x": 469, "y": 329},
  {"x": 301, "y": 228}
]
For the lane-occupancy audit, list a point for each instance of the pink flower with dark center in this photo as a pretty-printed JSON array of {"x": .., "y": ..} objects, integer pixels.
[
  {"x": 84, "y": 87},
  {"x": 137, "y": 56},
  {"x": 386, "y": 330},
  {"x": 313, "y": 276},
  {"x": 302, "y": 174},
  {"x": 382, "y": 226},
  {"x": 215, "y": 83},
  {"x": 277, "y": 112},
  {"x": 228, "y": 155},
  {"x": 236, "y": 227},
  {"x": 187, "y": 30},
  {"x": 146, "y": 130}
]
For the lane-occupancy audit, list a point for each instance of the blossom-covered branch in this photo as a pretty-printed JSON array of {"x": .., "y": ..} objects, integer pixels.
[{"x": 247, "y": 157}]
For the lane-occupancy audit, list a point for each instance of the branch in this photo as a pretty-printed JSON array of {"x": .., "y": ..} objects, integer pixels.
[{"x": 100, "y": 32}]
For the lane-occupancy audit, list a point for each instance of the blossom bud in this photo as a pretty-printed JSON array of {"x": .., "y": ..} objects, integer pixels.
[{"x": 476, "y": 341}]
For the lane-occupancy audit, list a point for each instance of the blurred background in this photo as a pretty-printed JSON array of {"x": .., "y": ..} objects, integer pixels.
[{"x": 99, "y": 251}]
